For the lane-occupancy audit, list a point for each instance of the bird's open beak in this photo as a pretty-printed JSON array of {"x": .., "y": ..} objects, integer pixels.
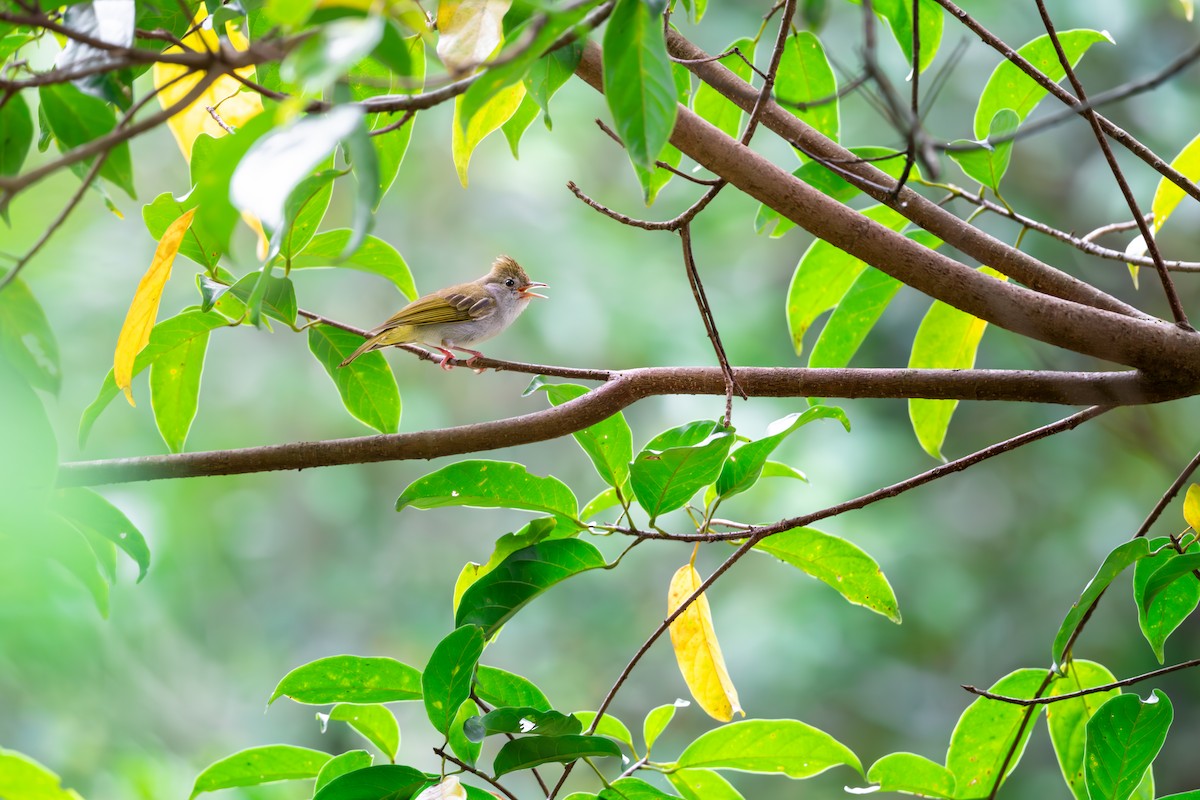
[{"x": 524, "y": 292}]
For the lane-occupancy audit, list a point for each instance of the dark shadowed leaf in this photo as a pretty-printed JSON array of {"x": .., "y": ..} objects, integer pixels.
[{"x": 531, "y": 751}]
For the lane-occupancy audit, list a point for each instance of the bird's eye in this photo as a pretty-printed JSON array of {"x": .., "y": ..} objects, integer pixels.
[{"x": 510, "y": 283}]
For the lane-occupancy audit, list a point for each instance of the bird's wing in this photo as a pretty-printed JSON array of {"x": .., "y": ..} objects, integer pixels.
[{"x": 434, "y": 310}]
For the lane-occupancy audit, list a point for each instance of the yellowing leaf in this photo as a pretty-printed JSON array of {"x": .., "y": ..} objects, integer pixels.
[
  {"x": 1168, "y": 195},
  {"x": 495, "y": 112},
  {"x": 470, "y": 30},
  {"x": 144, "y": 308},
  {"x": 697, "y": 650},
  {"x": 224, "y": 95},
  {"x": 947, "y": 339},
  {"x": 1191, "y": 507}
]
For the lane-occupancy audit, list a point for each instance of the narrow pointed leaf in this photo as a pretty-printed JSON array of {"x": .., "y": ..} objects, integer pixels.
[
  {"x": 1114, "y": 564},
  {"x": 446, "y": 682},
  {"x": 532, "y": 751},
  {"x": 838, "y": 563},
  {"x": 367, "y": 386},
  {"x": 609, "y": 444},
  {"x": 85, "y": 508},
  {"x": 350, "y": 679},
  {"x": 494, "y": 598},
  {"x": 806, "y": 77},
  {"x": 898, "y": 15},
  {"x": 912, "y": 774},
  {"x": 258, "y": 765},
  {"x": 784, "y": 746},
  {"x": 1158, "y": 617},
  {"x": 988, "y": 730},
  {"x": 491, "y": 484},
  {"x": 1123, "y": 739},
  {"x": 697, "y": 651},
  {"x": 657, "y": 720}
]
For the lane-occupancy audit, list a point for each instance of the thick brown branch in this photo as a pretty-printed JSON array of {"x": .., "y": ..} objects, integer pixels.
[{"x": 626, "y": 388}]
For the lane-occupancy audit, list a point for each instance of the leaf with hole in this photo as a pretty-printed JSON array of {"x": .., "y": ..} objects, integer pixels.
[{"x": 1123, "y": 739}]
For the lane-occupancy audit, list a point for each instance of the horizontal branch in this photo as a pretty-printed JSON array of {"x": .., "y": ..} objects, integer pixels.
[
  {"x": 621, "y": 390},
  {"x": 1108, "y": 687}
]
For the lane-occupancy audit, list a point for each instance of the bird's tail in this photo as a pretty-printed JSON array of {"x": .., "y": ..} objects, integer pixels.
[{"x": 368, "y": 345}]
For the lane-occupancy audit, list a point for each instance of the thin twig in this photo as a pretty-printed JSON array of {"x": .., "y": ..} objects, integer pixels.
[
  {"x": 478, "y": 774},
  {"x": 1108, "y": 687}
]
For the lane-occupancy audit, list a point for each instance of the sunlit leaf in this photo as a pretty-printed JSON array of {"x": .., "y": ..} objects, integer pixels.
[
  {"x": 350, "y": 679},
  {"x": 536, "y": 531},
  {"x": 367, "y": 386},
  {"x": 1172, "y": 602},
  {"x": 839, "y": 564},
  {"x": 657, "y": 720},
  {"x": 1123, "y": 739},
  {"x": 1067, "y": 719},
  {"x": 600, "y": 503},
  {"x": 702, "y": 784},
  {"x": 986, "y": 163},
  {"x": 446, "y": 682},
  {"x": 464, "y": 745},
  {"x": 629, "y": 788},
  {"x": 495, "y": 597},
  {"x": 638, "y": 85},
  {"x": 374, "y": 255},
  {"x": 713, "y": 106},
  {"x": 608, "y": 726},
  {"x": 1114, "y": 564},
  {"x": 491, "y": 484},
  {"x": 491, "y": 115},
  {"x": 947, "y": 339},
  {"x": 697, "y": 651},
  {"x": 991, "y": 733},
  {"x": 532, "y": 751},
  {"x": 230, "y": 101},
  {"x": 912, "y": 774},
  {"x": 1191, "y": 507},
  {"x": 330, "y": 50},
  {"x": 258, "y": 765},
  {"x": 784, "y": 746},
  {"x": 677, "y": 463},
  {"x": 377, "y": 782},
  {"x": 175, "y": 390},
  {"x": 806, "y": 78},
  {"x": 375, "y": 722},
  {"x": 609, "y": 443},
  {"x": 1010, "y": 87},
  {"x": 350, "y": 761},
  {"x": 898, "y": 15},
  {"x": 469, "y": 31},
  {"x": 135, "y": 331},
  {"x": 745, "y": 464},
  {"x": 370, "y": 78},
  {"x": 22, "y": 778},
  {"x": 500, "y": 688}
]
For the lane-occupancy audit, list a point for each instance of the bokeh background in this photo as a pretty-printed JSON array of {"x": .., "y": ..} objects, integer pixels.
[{"x": 254, "y": 575}]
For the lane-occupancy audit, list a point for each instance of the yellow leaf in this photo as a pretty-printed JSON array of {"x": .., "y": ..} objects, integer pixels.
[
  {"x": 1168, "y": 195},
  {"x": 489, "y": 118},
  {"x": 469, "y": 31},
  {"x": 225, "y": 96},
  {"x": 144, "y": 308},
  {"x": 697, "y": 650},
  {"x": 1191, "y": 507}
]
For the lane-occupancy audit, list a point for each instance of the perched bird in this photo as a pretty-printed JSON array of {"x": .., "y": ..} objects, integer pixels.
[{"x": 458, "y": 316}]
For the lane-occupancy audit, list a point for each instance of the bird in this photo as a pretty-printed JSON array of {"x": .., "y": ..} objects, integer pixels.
[{"x": 458, "y": 316}]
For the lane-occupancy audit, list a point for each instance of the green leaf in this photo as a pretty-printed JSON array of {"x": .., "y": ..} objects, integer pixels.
[
  {"x": 77, "y": 118},
  {"x": 304, "y": 210},
  {"x": 853, "y": 318},
  {"x": 22, "y": 778},
  {"x": 988, "y": 730},
  {"x": 532, "y": 751},
  {"x": 523, "y": 720},
  {"x": 25, "y": 482},
  {"x": 837, "y": 563},
  {"x": 367, "y": 386},
  {"x": 702, "y": 784},
  {"x": 609, "y": 443},
  {"x": 364, "y": 165},
  {"x": 677, "y": 463},
  {"x": 350, "y": 761},
  {"x": 492, "y": 484},
  {"x": 175, "y": 389},
  {"x": 638, "y": 84},
  {"x": 166, "y": 337},
  {"x": 26, "y": 338},
  {"x": 160, "y": 212},
  {"x": 402, "y": 73},
  {"x": 497, "y": 596},
  {"x": 374, "y": 255},
  {"x": 987, "y": 163},
  {"x": 713, "y": 106},
  {"x": 898, "y": 15},
  {"x": 462, "y": 743},
  {"x": 785, "y": 746},
  {"x": 466, "y": 136},
  {"x": 85, "y": 509},
  {"x": 1160, "y": 615},
  {"x": 1009, "y": 87},
  {"x": 608, "y": 726},
  {"x": 657, "y": 720},
  {"x": 550, "y": 73},
  {"x": 1123, "y": 739},
  {"x": 912, "y": 774},
  {"x": 745, "y": 464},
  {"x": 329, "y": 51},
  {"x": 381, "y": 782},
  {"x": 500, "y": 688},
  {"x": 1114, "y": 564},
  {"x": 1067, "y": 719},
  {"x": 16, "y": 134},
  {"x": 258, "y": 765},
  {"x": 350, "y": 679},
  {"x": 947, "y": 339},
  {"x": 1166, "y": 575},
  {"x": 632, "y": 789},
  {"x": 375, "y": 722},
  {"x": 506, "y": 545},
  {"x": 446, "y": 682},
  {"x": 806, "y": 77},
  {"x": 519, "y": 122},
  {"x": 601, "y": 502},
  {"x": 823, "y": 276},
  {"x": 278, "y": 298}
]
